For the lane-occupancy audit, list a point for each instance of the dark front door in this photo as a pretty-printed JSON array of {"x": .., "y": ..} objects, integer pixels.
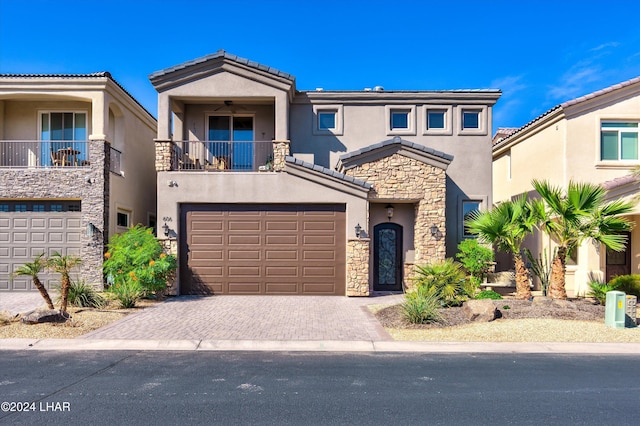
[
  {"x": 619, "y": 262},
  {"x": 387, "y": 257}
]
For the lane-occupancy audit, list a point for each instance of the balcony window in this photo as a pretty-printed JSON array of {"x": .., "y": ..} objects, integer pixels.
[
  {"x": 63, "y": 136},
  {"x": 229, "y": 142}
]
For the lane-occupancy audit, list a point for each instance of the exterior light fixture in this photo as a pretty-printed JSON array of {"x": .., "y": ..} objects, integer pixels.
[
  {"x": 358, "y": 230},
  {"x": 434, "y": 230},
  {"x": 389, "y": 208},
  {"x": 165, "y": 228},
  {"x": 91, "y": 229}
]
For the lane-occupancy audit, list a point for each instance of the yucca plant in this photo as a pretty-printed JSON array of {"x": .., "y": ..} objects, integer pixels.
[
  {"x": 85, "y": 296},
  {"x": 421, "y": 306},
  {"x": 32, "y": 269}
]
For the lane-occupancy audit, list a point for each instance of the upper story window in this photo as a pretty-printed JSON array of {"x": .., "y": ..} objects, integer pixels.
[
  {"x": 327, "y": 120},
  {"x": 470, "y": 119},
  {"x": 401, "y": 120},
  {"x": 435, "y": 119},
  {"x": 619, "y": 141},
  {"x": 473, "y": 120},
  {"x": 63, "y": 136}
]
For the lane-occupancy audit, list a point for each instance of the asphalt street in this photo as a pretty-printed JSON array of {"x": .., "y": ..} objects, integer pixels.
[{"x": 138, "y": 387}]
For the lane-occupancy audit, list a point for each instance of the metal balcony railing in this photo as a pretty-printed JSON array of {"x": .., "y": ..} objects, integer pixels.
[
  {"x": 224, "y": 156},
  {"x": 42, "y": 154},
  {"x": 115, "y": 165}
]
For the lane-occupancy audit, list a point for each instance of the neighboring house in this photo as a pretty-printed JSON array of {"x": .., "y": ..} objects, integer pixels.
[
  {"x": 76, "y": 166},
  {"x": 264, "y": 189},
  {"x": 593, "y": 139}
]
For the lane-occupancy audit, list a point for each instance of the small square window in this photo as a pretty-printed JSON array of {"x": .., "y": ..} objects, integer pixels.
[
  {"x": 56, "y": 207},
  {"x": 38, "y": 207},
  {"x": 122, "y": 219},
  {"x": 326, "y": 120},
  {"x": 399, "y": 120},
  {"x": 20, "y": 207},
  {"x": 470, "y": 119},
  {"x": 4, "y": 208},
  {"x": 435, "y": 120}
]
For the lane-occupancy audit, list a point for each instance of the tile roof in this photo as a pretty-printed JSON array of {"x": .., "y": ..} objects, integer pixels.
[
  {"x": 620, "y": 181},
  {"x": 573, "y": 102},
  {"x": 328, "y": 172},
  {"x": 222, "y": 54},
  {"x": 100, "y": 74},
  {"x": 400, "y": 141}
]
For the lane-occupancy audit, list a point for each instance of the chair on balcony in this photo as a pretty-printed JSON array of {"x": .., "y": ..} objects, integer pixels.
[{"x": 59, "y": 159}]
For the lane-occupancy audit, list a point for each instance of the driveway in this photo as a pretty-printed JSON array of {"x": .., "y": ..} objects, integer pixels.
[{"x": 253, "y": 318}]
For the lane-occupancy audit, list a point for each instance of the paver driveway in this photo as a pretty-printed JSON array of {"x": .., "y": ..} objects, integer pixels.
[{"x": 253, "y": 318}]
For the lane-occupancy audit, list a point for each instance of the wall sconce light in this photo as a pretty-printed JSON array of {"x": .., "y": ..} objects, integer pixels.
[
  {"x": 358, "y": 230},
  {"x": 172, "y": 183},
  {"x": 165, "y": 228},
  {"x": 91, "y": 229},
  {"x": 389, "y": 208},
  {"x": 434, "y": 230}
]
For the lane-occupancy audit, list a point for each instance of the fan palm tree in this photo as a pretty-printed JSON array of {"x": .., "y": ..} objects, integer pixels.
[
  {"x": 63, "y": 265},
  {"x": 580, "y": 213},
  {"x": 506, "y": 227},
  {"x": 32, "y": 269}
]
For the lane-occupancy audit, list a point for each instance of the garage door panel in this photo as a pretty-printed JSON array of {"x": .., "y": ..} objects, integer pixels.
[
  {"x": 56, "y": 223},
  {"x": 20, "y": 253},
  {"x": 38, "y": 223},
  {"x": 73, "y": 237},
  {"x": 265, "y": 249}
]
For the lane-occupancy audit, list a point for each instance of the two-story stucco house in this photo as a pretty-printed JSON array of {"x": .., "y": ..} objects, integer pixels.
[
  {"x": 593, "y": 139},
  {"x": 265, "y": 189},
  {"x": 76, "y": 166}
]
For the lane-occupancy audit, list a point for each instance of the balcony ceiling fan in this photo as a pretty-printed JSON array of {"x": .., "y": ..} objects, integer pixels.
[{"x": 229, "y": 106}]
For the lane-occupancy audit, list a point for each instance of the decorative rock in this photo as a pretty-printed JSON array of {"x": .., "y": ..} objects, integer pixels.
[
  {"x": 482, "y": 310},
  {"x": 541, "y": 301},
  {"x": 49, "y": 315}
]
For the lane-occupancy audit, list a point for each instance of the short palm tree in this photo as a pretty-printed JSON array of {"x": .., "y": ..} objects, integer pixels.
[
  {"x": 63, "y": 265},
  {"x": 580, "y": 213},
  {"x": 32, "y": 269},
  {"x": 506, "y": 227}
]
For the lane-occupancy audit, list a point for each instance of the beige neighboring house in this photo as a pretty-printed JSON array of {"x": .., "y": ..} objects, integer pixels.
[
  {"x": 76, "y": 166},
  {"x": 593, "y": 139},
  {"x": 266, "y": 189}
]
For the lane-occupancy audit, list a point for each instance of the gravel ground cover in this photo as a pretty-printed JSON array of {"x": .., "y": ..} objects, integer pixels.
[{"x": 578, "y": 320}]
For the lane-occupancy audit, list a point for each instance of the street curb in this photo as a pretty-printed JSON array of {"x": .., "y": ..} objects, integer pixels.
[{"x": 319, "y": 346}]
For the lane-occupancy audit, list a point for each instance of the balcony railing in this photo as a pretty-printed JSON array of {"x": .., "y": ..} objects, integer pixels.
[
  {"x": 115, "y": 166},
  {"x": 42, "y": 154},
  {"x": 234, "y": 156}
]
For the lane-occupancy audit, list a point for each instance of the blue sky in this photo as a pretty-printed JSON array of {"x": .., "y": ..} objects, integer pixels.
[{"x": 539, "y": 53}]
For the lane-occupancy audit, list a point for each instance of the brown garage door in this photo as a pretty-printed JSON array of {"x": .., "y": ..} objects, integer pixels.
[{"x": 257, "y": 249}]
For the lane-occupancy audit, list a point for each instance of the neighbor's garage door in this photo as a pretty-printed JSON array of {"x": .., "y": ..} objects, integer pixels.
[
  {"x": 24, "y": 235},
  {"x": 257, "y": 249}
]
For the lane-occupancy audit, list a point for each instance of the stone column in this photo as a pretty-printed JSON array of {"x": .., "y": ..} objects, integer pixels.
[
  {"x": 280, "y": 150},
  {"x": 164, "y": 155},
  {"x": 358, "y": 267},
  {"x": 170, "y": 247}
]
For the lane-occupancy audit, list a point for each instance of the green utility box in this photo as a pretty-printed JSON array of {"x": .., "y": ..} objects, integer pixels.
[{"x": 615, "y": 309}]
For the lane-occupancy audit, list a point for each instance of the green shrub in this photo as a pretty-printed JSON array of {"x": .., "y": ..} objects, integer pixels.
[
  {"x": 599, "y": 290},
  {"x": 85, "y": 296},
  {"x": 446, "y": 280},
  {"x": 137, "y": 255},
  {"x": 127, "y": 292},
  {"x": 488, "y": 294},
  {"x": 630, "y": 284},
  {"x": 421, "y": 306},
  {"x": 475, "y": 258}
]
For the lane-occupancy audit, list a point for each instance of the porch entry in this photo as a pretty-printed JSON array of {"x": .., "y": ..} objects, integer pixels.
[
  {"x": 387, "y": 257},
  {"x": 619, "y": 262},
  {"x": 229, "y": 140}
]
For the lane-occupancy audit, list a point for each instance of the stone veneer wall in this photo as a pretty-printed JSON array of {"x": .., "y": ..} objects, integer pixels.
[
  {"x": 280, "y": 150},
  {"x": 358, "y": 267},
  {"x": 170, "y": 246},
  {"x": 397, "y": 177},
  {"x": 164, "y": 156},
  {"x": 88, "y": 184}
]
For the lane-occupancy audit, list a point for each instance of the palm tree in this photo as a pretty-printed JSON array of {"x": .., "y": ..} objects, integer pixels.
[
  {"x": 506, "y": 227},
  {"x": 63, "y": 265},
  {"x": 572, "y": 217},
  {"x": 32, "y": 269}
]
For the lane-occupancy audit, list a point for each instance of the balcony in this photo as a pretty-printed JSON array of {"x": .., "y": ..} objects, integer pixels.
[
  {"x": 43, "y": 154},
  {"x": 223, "y": 156}
]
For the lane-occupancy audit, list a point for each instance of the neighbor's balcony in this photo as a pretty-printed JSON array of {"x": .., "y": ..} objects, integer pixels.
[
  {"x": 223, "y": 156},
  {"x": 43, "y": 154}
]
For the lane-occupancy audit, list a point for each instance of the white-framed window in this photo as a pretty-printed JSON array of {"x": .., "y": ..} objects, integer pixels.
[
  {"x": 123, "y": 218},
  {"x": 64, "y": 137},
  {"x": 473, "y": 120},
  {"x": 327, "y": 120},
  {"x": 437, "y": 119},
  {"x": 401, "y": 120},
  {"x": 618, "y": 141},
  {"x": 469, "y": 207}
]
